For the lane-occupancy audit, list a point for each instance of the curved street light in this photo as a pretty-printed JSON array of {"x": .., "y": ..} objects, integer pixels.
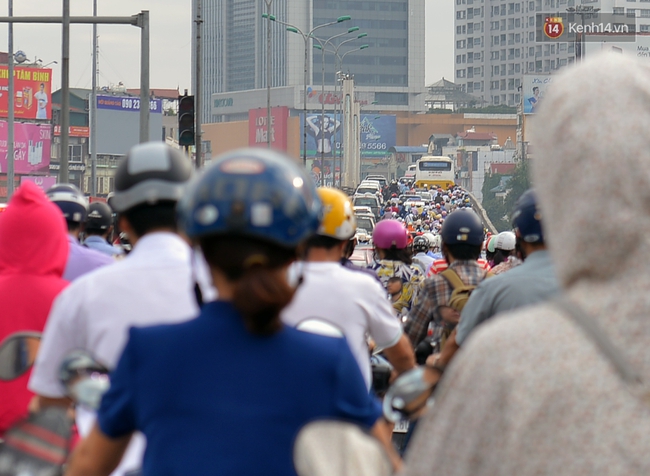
[
  {"x": 305, "y": 36},
  {"x": 322, "y": 45},
  {"x": 338, "y": 80}
]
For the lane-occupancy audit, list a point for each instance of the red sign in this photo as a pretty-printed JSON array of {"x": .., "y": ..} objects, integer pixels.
[
  {"x": 32, "y": 92},
  {"x": 73, "y": 131},
  {"x": 257, "y": 128},
  {"x": 553, "y": 27}
]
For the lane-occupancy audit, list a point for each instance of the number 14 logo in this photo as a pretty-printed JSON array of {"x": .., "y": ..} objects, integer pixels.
[{"x": 553, "y": 27}]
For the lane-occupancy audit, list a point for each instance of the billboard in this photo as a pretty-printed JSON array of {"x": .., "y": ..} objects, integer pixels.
[
  {"x": 257, "y": 128},
  {"x": 32, "y": 92},
  {"x": 127, "y": 103},
  {"x": 378, "y": 134},
  {"x": 44, "y": 182},
  {"x": 638, "y": 48},
  {"x": 534, "y": 89},
  {"x": 32, "y": 148},
  {"x": 118, "y": 123}
]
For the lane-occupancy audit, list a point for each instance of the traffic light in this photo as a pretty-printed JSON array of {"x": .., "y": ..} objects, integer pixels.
[{"x": 185, "y": 120}]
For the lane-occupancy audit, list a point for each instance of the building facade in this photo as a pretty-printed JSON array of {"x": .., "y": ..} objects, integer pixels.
[
  {"x": 234, "y": 51},
  {"x": 496, "y": 46}
]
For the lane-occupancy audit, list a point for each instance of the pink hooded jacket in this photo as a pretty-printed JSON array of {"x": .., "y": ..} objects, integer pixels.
[{"x": 33, "y": 254}]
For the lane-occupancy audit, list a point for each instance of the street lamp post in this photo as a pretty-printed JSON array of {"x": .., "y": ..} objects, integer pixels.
[
  {"x": 582, "y": 10},
  {"x": 305, "y": 36},
  {"x": 339, "y": 77},
  {"x": 339, "y": 152},
  {"x": 322, "y": 46},
  {"x": 268, "y": 74}
]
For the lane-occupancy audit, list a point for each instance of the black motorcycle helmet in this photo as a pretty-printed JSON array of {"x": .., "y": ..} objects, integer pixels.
[
  {"x": 100, "y": 217},
  {"x": 152, "y": 172},
  {"x": 527, "y": 218},
  {"x": 462, "y": 227},
  {"x": 420, "y": 244}
]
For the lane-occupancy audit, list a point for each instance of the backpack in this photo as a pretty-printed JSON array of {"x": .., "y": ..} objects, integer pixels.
[{"x": 460, "y": 291}]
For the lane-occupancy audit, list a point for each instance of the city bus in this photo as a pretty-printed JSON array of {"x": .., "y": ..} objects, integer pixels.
[{"x": 435, "y": 171}]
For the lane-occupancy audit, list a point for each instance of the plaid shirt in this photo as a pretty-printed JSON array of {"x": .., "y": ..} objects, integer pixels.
[{"x": 436, "y": 291}]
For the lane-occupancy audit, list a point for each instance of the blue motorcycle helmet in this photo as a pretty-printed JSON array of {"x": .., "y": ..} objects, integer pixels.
[
  {"x": 527, "y": 218},
  {"x": 462, "y": 226},
  {"x": 254, "y": 193}
]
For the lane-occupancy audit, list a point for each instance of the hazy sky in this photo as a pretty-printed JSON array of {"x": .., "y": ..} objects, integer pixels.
[{"x": 119, "y": 45}]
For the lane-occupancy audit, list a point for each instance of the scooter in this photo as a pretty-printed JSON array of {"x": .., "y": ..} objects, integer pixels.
[
  {"x": 40, "y": 444},
  {"x": 338, "y": 448}
]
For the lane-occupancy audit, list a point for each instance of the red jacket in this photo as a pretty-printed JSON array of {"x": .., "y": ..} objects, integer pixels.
[{"x": 33, "y": 254}]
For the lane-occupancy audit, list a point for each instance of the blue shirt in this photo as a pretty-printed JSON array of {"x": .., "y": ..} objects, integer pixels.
[
  {"x": 98, "y": 243},
  {"x": 82, "y": 260},
  {"x": 212, "y": 398},
  {"x": 529, "y": 283}
]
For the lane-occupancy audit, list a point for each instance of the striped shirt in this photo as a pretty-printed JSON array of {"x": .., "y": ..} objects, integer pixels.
[{"x": 440, "y": 265}]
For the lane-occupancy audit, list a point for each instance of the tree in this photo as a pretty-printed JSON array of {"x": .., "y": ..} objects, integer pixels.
[{"x": 499, "y": 208}]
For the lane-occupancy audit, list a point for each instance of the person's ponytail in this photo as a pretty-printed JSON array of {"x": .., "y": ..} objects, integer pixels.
[
  {"x": 256, "y": 270},
  {"x": 260, "y": 294}
]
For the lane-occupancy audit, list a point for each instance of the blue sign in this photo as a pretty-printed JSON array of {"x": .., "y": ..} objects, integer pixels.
[
  {"x": 378, "y": 134},
  {"x": 127, "y": 103}
]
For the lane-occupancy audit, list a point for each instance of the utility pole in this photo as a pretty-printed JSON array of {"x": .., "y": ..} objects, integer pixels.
[
  {"x": 65, "y": 94},
  {"x": 93, "y": 111},
  {"x": 10, "y": 118},
  {"x": 144, "y": 76},
  {"x": 198, "y": 150},
  {"x": 268, "y": 74},
  {"x": 140, "y": 20}
]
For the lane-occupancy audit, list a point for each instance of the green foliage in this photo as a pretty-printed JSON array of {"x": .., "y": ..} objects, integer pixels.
[
  {"x": 439, "y": 111},
  {"x": 498, "y": 208},
  {"x": 501, "y": 109},
  {"x": 494, "y": 206}
]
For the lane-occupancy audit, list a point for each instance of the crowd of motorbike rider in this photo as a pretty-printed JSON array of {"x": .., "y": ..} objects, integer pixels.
[
  {"x": 247, "y": 252},
  {"x": 200, "y": 322}
]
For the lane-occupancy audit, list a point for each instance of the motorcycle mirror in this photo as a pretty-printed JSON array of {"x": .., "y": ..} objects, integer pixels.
[
  {"x": 381, "y": 373},
  {"x": 335, "y": 448},
  {"x": 407, "y": 396},
  {"x": 18, "y": 353},
  {"x": 85, "y": 379},
  {"x": 319, "y": 326}
]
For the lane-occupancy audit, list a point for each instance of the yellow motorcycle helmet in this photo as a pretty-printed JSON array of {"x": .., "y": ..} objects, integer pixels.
[{"x": 338, "y": 217}]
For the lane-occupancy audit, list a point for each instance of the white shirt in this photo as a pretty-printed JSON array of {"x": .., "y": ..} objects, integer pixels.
[
  {"x": 154, "y": 284},
  {"x": 423, "y": 261},
  {"x": 353, "y": 301}
]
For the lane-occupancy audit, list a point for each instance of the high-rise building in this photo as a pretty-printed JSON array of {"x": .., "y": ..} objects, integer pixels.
[
  {"x": 496, "y": 46},
  {"x": 390, "y": 71}
]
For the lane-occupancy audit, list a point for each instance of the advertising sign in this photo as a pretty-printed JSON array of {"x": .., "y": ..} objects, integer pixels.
[
  {"x": 73, "y": 131},
  {"x": 378, "y": 134},
  {"x": 639, "y": 48},
  {"x": 44, "y": 182},
  {"x": 127, "y": 103},
  {"x": 118, "y": 123},
  {"x": 32, "y": 147},
  {"x": 257, "y": 128},
  {"x": 32, "y": 92},
  {"x": 534, "y": 90},
  {"x": 328, "y": 171}
]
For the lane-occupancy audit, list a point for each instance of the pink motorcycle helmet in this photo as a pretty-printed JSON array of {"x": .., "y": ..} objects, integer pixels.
[{"x": 389, "y": 233}]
